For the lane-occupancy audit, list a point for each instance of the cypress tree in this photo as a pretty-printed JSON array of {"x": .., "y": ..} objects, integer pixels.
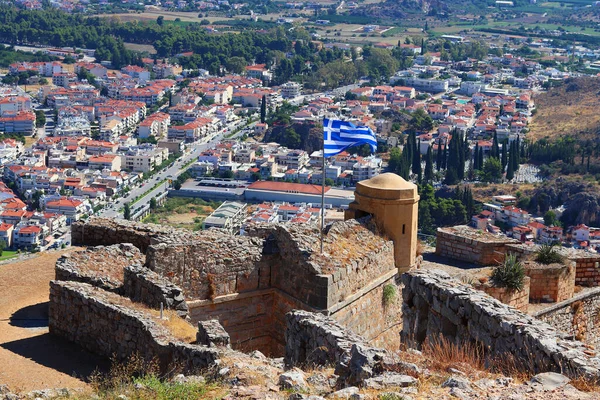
[
  {"x": 504, "y": 158},
  {"x": 429, "y": 166},
  {"x": 495, "y": 149},
  {"x": 515, "y": 155},
  {"x": 416, "y": 157},
  {"x": 510, "y": 172},
  {"x": 463, "y": 151},
  {"x": 445, "y": 157},
  {"x": 476, "y": 156},
  {"x": 438, "y": 157},
  {"x": 480, "y": 158},
  {"x": 263, "y": 109}
]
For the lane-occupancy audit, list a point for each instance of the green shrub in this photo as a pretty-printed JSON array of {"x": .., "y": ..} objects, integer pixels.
[
  {"x": 510, "y": 274},
  {"x": 547, "y": 254},
  {"x": 389, "y": 294},
  {"x": 390, "y": 396}
]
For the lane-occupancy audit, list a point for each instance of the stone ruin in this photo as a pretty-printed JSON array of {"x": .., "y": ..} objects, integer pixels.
[
  {"x": 273, "y": 291},
  {"x": 247, "y": 283}
]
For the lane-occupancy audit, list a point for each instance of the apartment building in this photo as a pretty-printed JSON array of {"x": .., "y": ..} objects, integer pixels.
[{"x": 144, "y": 158}]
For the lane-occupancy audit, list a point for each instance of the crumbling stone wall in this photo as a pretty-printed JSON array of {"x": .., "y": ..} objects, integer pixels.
[
  {"x": 312, "y": 338},
  {"x": 250, "y": 283},
  {"x": 373, "y": 316},
  {"x": 587, "y": 269},
  {"x": 578, "y": 317},
  {"x": 323, "y": 280},
  {"x": 144, "y": 286},
  {"x": 464, "y": 243},
  {"x": 100, "y": 266},
  {"x": 247, "y": 319},
  {"x": 107, "y": 324},
  {"x": 254, "y": 321},
  {"x": 104, "y": 231},
  {"x": 434, "y": 305},
  {"x": 215, "y": 264},
  {"x": 514, "y": 298}
]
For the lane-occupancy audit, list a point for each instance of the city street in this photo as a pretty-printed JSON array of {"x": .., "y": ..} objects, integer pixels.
[{"x": 114, "y": 209}]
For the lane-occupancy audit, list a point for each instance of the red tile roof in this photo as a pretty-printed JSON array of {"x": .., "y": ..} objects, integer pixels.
[{"x": 287, "y": 187}]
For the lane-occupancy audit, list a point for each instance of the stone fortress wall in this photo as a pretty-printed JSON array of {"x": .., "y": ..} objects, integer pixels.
[
  {"x": 578, "y": 317},
  {"x": 436, "y": 305},
  {"x": 467, "y": 244},
  {"x": 274, "y": 291},
  {"x": 108, "y": 324},
  {"x": 249, "y": 283}
]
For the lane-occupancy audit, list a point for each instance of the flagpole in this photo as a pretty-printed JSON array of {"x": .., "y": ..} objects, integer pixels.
[{"x": 322, "y": 193}]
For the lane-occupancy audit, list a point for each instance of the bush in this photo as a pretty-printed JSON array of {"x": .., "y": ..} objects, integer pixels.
[
  {"x": 389, "y": 294},
  {"x": 510, "y": 274},
  {"x": 547, "y": 254}
]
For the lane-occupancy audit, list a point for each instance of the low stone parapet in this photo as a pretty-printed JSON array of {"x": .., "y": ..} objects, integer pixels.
[
  {"x": 144, "y": 286},
  {"x": 107, "y": 324},
  {"x": 550, "y": 283},
  {"x": 470, "y": 245},
  {"x": 436, "y": 305},
  {"x": 518, "y": 299}
]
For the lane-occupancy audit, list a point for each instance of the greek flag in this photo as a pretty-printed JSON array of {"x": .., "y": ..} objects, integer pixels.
[{"x": 339, "y": 135}]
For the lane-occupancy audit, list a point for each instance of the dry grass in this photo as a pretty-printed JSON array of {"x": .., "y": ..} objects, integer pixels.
[
  {"x": 343, "y": 249},
  {"x": 585, "y": 384},
  {"x": 569, "y": 110},
  {"x": 177, "y": 326},
  {"x": 443, "y": 355}
]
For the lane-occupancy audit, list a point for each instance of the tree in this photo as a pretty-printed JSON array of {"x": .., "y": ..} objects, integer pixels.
[
  {"x": 263, "y": 109},
  {"x": 429, "y": 166},
  {"x": 510, "y": 172},
  {"x": 153, "y": 203},
  {"x": 160, "y": 20},
  {"x": 40, "y": 118},
  {"x": 476, "y": 157},
  {"x": 35, "y": 199},
  {"x": 438, "y": 157},
  {"x": 495, "y": 152},
  {"x": 492, "y": 170},
  {"x": 504, "y": 158},
  {"x": 2, "y": 246},
  {"x": 329, "y": 182},
  {"x": 550, "y": 219},
  {"x": 127, "y": 211}
]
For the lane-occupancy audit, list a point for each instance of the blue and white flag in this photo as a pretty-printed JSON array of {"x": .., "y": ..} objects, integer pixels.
[{"x": 339, "y": 135}]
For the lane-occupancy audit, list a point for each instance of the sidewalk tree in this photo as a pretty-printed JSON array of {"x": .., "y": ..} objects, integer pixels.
[{"x": 126, "y": 211}]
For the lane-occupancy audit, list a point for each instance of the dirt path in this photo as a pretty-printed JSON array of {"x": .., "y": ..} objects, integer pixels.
[{"x": 30, "y": 358}]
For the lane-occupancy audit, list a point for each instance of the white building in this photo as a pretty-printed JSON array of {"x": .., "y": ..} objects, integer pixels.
[{"x": 290, "y": 90}]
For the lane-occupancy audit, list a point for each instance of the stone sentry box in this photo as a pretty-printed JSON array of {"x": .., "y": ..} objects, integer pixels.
[{"x": 394, "y": 204}]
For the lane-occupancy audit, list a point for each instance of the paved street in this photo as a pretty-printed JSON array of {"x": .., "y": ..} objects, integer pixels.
[{"x": 114, "y": 210}]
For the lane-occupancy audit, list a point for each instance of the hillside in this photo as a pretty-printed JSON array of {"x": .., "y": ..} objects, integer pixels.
[{"x": 571, "y": 109}]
